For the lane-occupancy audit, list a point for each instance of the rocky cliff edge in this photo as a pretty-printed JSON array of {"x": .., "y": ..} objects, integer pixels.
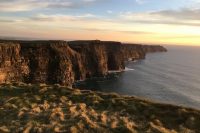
[{"x": 65, "y": 62}]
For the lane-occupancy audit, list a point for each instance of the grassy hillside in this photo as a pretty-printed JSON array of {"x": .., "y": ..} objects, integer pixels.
[{"x": 44, "y": 108}]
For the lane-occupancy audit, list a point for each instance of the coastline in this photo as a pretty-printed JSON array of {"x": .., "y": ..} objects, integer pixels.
[
  {"x": 64, "y": 62},
  {"x": 37, "y": 107}
]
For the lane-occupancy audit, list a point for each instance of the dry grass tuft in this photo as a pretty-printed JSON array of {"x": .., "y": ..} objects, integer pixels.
[{"x": 43, "y": 108}]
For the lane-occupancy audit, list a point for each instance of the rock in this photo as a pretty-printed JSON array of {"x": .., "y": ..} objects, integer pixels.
[
  {"x": 93, "y": 58},
  {"x": 153, "y": 48},
  {"x": 133, "y": 52},
  {"x": 99, "y": 56},
  {"x": 38, "y": 62},
  {"x": 4, "y": 129},
  {"x": 60, "y": 62}
]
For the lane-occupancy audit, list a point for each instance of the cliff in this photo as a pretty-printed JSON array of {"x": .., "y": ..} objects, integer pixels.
[
  {"x": 137, "y": 51},
  {"x": 133, "y": 52},
  {"x": 101, "y": 55},
  {"x": 39, "y": 61},
  {"x": 65, "y": 62},
  {"x": 153, "y": 48}
]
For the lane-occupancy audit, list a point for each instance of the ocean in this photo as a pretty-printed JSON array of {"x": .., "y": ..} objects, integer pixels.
[{"x": 172, "y": 77}]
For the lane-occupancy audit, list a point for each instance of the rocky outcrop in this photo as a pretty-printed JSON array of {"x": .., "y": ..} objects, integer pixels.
[
  {"x": 12, "y": 65},
  {"x": 99, "y": 56},
  {"x": 133, "y": 52},
  {"x": 153, "y": 48},
  {"x": 65, "y": 62},
  {"x": 39, "y": 62},
  {"x": 93, "y": 57},
  {"x": 137, "y": 51}
]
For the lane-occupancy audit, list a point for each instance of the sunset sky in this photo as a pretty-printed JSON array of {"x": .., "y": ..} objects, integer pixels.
[{"x": 137, "y": 21}]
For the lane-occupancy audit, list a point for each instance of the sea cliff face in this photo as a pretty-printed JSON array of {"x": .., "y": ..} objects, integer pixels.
[
  {"x": 38, "y": 62},
  {"x": 136, "y": 51},
  {"x": 133, "y": 52},
  {"x": 65, "y": 62},
  {"x": 153, "y": 48},
  {"x": 101, "y": 56}
]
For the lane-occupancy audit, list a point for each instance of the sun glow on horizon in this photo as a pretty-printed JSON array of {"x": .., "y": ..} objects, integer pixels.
[{"x": 135, "y": 21}]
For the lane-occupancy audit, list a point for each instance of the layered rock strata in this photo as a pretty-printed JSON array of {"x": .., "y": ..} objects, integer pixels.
[{"x": 65, "y": 62}]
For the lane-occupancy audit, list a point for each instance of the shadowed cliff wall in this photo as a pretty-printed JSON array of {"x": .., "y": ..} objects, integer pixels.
[
  {"x": 61, "y": 62},
  {"x": 39, "y": 62}
]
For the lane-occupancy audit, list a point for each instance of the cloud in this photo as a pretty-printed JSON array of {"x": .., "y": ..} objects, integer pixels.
[
  {"x": 140, "y": 1},
  {"x": 126, "y": 27},
  {"x": 84, "y": 22},
  {"x": 10, "y": 20},
  {"x": 62, "y": 5},
  {"x": 6, "y": 21},
  {"x": 89, "y": 0},
  {"x": 63, "y": 18},
  {"x": 109, "y": 11},
  {"x": 113, "y": 30},
  {"x": 18, "y": 5},
  {"x": 184, "y": 16},
  {"x": 27, "y": 5}
]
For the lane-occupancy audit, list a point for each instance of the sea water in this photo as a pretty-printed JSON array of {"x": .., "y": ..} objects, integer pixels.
[{"x": 172, "y": 77}]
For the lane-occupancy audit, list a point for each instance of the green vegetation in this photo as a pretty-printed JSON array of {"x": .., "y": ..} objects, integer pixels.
[{"x": 54, "y": 108}]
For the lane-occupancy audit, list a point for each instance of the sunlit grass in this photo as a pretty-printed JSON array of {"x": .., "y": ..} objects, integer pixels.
[{"x": 54, "y": 108}]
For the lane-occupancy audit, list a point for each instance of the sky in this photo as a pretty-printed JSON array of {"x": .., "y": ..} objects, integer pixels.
[{"x": 135, "y": 21}]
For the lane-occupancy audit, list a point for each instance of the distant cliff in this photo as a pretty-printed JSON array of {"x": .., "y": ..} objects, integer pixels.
[
  {"x": 65, "y": 62},
  {"x": 153, "y": 48},
  {"x": 136, "y": 51}
]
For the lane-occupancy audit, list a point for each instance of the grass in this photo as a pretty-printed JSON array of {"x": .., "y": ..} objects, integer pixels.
[{"x": 54, "y": 108}]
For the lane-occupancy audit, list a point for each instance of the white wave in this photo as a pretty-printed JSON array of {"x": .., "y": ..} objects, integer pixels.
[
  {"x": 128, "y": 69},
  {"x": 114, "y": 71},
  {"x": 132, "y": 60},
  {"x": 119, "y": 71}
]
